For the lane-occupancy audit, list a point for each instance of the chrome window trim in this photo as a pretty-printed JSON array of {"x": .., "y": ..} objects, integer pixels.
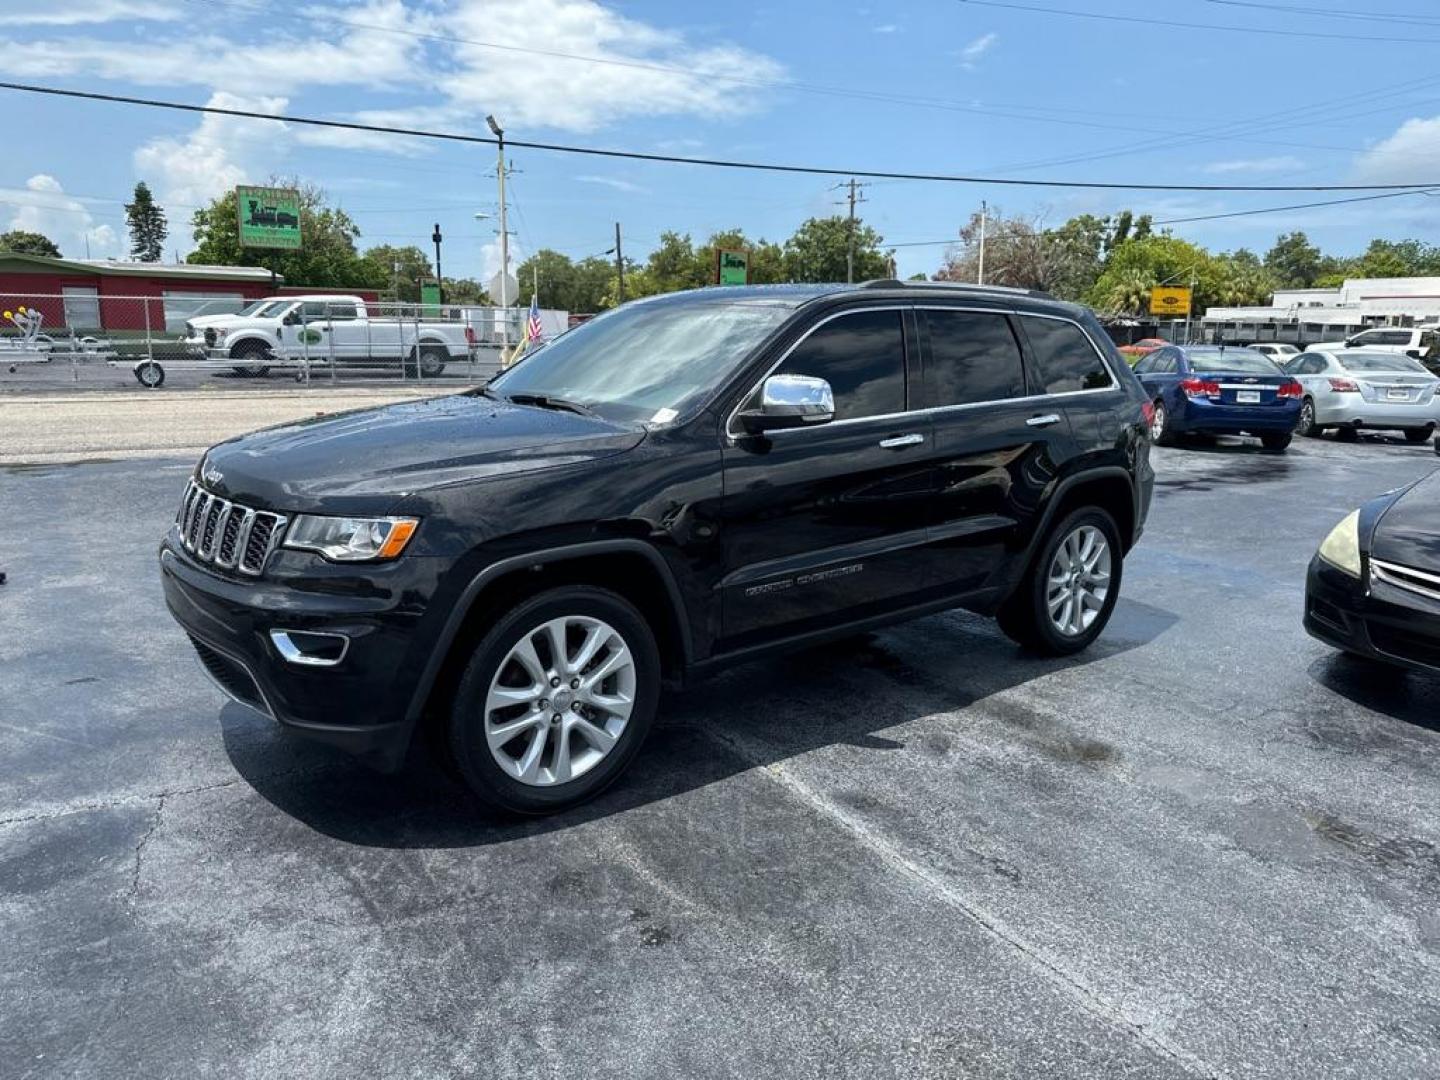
[{"x": 732, "y": 436}]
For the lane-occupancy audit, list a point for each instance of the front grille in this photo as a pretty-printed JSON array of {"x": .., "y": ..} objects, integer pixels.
[
  {"x": 210, "y": 335},
  {"x": 1407, "y": 577},
  {"x": 227, "y": 534},
  {"x": 234, "y": 678}
]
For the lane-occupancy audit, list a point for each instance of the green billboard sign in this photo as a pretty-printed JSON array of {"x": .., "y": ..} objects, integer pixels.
[
  {"x": 732, "y": 267},
  {"x": 269, "y": 217}
]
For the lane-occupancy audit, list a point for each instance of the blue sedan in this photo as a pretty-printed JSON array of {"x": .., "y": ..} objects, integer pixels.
[{"x": 1213, "y": 390}]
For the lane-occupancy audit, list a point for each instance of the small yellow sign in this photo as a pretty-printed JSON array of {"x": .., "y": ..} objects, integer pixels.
[{"x": 1169, "y": 300}]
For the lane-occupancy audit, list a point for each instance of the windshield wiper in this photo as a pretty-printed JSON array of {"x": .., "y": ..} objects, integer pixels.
[{"x": 545, "y": 401}]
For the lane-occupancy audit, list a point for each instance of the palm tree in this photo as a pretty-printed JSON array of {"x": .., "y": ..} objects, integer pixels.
[{"x": 1128, "y": 292}]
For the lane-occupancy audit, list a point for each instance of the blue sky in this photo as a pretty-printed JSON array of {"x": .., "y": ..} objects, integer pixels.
[{"x": 915, "y": 85}]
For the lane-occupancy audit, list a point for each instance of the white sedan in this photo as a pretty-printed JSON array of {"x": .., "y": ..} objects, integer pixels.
[{"x": 1350, "y": 389}]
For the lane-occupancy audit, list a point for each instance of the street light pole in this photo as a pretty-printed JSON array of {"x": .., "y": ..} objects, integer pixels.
[
  {"x": 504, "y": 242},
  {"x": 439, "y": 277},
  {"x": 984, "y": 212}
]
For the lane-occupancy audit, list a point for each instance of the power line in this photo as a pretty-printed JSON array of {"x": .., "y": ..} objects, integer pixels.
[
  {"x": 1294, "y": 206},
  {"x": 1330, "y": 13},
  {"x": 1171, "y": 24},
  {"x": 714, "y": 163}
]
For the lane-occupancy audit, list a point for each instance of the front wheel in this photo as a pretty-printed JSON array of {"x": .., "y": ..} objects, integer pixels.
[
  {"x": 1306, "y": 425},
  {"x": 1070, "y": 590},
  {"x": 1275, "y": 443},
  {"x": 555, "y": 700}
]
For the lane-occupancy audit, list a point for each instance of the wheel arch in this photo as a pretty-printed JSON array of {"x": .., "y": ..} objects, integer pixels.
[{"x": 631, "y": 568}]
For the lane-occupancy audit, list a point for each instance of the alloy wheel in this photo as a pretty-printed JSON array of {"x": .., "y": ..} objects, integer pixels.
[
  {"x": 1307, "y": 415},
  {"x": 1078, "y": 581},
  {"x": 560, "y": 700},
  {"x": 1157, "y": 422}
]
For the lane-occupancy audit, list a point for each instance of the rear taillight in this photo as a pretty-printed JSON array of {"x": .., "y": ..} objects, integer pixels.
[
  {"x": 1289, "y": 389},
  {"x": 469, "y": 335},
  {"x": 1344, "y": 386},
  {"x": 1200, "y": 388},
  {"x": 1147, "y": 413}
]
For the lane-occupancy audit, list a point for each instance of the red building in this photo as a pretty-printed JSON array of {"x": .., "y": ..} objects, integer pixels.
[{"x": 88, "y": 295}]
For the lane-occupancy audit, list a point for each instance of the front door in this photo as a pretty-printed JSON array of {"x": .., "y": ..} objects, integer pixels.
[{"x": 825, "y": 522}]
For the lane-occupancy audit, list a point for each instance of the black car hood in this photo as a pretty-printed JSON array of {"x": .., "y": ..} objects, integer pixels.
[
  {"x": 366, "y": 460},
  {"x": 1409, "y": 532}
]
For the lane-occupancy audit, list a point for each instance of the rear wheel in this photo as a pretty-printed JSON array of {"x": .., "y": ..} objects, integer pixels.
[
  {"x": 1160, "y": 433},
  {"x": 431, "y": 361},
  {"x": 150, "y": 375},
  {"x": 1069, "y": 592},
  {"x": 1306, "y": 424},
  {"x": 1275, "y": 443},
  {"x": 555, "y": 700},
  {"x": 1418, "y": 435}
]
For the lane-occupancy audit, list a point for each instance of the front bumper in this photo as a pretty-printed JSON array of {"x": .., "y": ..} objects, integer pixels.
[
  {"x": 362, "y": 704},
  {"x": 1375, "y": 414},
  {"x": 1198, "y": 414},
  {"x": 1372, "y": 618}
]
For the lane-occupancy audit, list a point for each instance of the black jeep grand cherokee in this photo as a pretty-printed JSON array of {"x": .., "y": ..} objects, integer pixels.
[{"x": 683, "y": 483}]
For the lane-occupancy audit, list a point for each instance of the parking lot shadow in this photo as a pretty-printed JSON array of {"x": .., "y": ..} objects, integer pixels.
[
  {"x": 1408, "y": 696},
  {"x": 846, "y": 692}
]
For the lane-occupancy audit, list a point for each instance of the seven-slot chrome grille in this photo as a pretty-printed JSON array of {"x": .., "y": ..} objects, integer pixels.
[{"x": 231, "y": 536}]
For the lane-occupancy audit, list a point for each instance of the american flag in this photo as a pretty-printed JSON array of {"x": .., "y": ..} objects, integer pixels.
[{"x": 534, "y": 334}]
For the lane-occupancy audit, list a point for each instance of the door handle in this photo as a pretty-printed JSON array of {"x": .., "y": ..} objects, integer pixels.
[
  {"x": 1044, "y": 421},
  {"x": 895, "y": 442}
]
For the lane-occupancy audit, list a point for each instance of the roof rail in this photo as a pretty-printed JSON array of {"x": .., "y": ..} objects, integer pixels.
[{"x": 957, "y": 286}]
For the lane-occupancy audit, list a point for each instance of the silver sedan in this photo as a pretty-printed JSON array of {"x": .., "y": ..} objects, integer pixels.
[{"x": 1350, "y": 389}]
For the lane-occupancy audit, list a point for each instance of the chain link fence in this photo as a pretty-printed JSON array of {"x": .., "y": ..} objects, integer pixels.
[{"x": 85, "y": 340}]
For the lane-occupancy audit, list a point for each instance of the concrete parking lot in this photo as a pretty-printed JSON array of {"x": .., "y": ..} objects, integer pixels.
[{"x": 1207, "y": 848}]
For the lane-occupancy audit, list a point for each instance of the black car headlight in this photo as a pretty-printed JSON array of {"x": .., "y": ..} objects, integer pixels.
[{"x": 347, "y": 539}]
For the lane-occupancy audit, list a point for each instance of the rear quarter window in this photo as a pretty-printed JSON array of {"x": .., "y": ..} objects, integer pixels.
[{"x": 1065, "y": 357}]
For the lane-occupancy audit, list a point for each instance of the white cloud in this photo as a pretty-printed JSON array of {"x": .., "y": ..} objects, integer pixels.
[
  {"x": 1283, "y": 163},
  {"x": 612, "y": 182},
  {"x": 221, "y": 152},
  {"x": 1411, "y": 154},
  {"x": 635, "y": 68},
  {"x": 76, "y": 12},
  {"x": 887, "y": 28},
  {"x": 970, "y": 55},
  {"x": 42, "y": 206}
]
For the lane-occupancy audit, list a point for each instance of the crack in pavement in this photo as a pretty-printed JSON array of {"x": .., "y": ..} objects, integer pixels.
[
  {"x": 140, "y": 847},
  {"x": 1051, "y": 968}
]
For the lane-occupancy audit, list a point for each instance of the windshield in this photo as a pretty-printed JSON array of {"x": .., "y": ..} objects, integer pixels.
[
  {"x": 1244, "y": 360},
  {"x": 258, "y": 307},
  {"x": 647, "y": 361},
  {"x": 1381, "y": 362}
]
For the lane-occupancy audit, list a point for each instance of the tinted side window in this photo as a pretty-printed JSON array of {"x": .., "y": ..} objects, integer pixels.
[
  {"x": 1066, "y": 358},
  {"x": 973, "y": 357},
  {"x": 862, "y": 356},
  {"x": 1144, "y": 365},
  {"x": 1166, "y": 364}
]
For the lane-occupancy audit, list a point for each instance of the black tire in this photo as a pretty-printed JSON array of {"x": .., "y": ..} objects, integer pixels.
[
  {"x": 1306, "y": 425},
  {"x": 1276, "y": 444},
  {"x": 432, "y": 361},
  {"x": 150, "y": 375},
  {"x": 251, "y": 350},
  {"x": 1347, "y": 434},
  {"x": 1160, "y": 433},
  {"x": 466, "y": 724},
  {"x": 1418, "y": 435},
  {"x": 1025, "y": 617}
]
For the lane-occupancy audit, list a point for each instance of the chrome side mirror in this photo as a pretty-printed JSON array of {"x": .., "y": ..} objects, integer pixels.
[{"x": 790, "y": 401}]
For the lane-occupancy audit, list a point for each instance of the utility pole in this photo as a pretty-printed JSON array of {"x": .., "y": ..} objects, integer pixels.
[
  {"x": 1190, "y": 308},
  {"x": 504, "y": 241},
  {"x": 853, "y": 187},
  {"x": 619, "y": 264},
  {"x": 984, "y": 212},
  {"x": 439, "y": 277}
]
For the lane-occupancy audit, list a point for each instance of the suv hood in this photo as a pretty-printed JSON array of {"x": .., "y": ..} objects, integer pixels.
[{"x": 367, "y": 460}]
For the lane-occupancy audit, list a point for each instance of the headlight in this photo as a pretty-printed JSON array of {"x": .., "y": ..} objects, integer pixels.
[
  {"x": 344, "y": 539},
  {"x": 1341, "y": 548}
]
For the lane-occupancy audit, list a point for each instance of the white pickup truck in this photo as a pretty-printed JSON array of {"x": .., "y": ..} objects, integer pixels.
[{"x": 302, "y": 331}]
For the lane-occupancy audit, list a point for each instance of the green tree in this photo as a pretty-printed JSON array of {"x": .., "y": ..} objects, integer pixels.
[
  {"x": 1293, "y": 261},
  {"x": 816, "y": 252},
  {"x": 566, "y": 285},
  {"x": 414, "y": 268},
  {"x": 22, "y": 242},
  {"x": 328, "y": 259},
  {"x": 148, "y": 228}
]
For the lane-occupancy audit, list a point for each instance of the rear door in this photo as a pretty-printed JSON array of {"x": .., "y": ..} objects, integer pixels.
[
  {"x": 996, "y": 441},
  {"x": 1161, "y": 374},
  {"x": 830, "y": 522}
]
